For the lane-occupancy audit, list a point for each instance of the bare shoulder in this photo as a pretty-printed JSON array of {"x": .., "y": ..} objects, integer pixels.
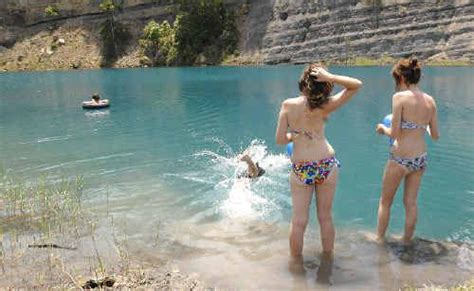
[
  {"x": 291, "y": 102},
  {"x": 430, "y": 99},
  {"x": 400, "y": 96}
]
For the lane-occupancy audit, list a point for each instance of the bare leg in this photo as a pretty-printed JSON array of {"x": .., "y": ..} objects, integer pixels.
[
  {"x": 412, "y": 185},
  {"x": 324, "y": 198},
  {"x": 301, "y": 195},
  {"x": 392, "y": 177}
]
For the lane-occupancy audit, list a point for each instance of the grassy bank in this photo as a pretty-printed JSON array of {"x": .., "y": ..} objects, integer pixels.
[
  {"x": 466, "y": 286},
  {"x": 48, "y": 240},
  {"x": 388, "y": 60}
]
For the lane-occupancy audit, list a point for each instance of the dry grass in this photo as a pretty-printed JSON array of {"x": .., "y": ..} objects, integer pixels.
[
  {"x": 448, "y": 63},
  {"x": 43, "y": 51},
  {"x": 466, "y": 286},
  {"x": 243, "y": 60},
  {"x": 71, "y": 245},
  {"x": 388, "y": 60}
]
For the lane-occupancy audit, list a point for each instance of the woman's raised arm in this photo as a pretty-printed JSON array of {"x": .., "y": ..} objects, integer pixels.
[{"x": 351, "y": 86}]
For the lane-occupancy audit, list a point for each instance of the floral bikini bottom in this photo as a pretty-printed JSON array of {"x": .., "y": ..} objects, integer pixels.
[{"x": 312, "y": 173}]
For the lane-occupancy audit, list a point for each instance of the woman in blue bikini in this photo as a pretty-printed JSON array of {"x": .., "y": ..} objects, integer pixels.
[
  {"x": 315, "y": 166},
  {"x": 413, "y": 112}
]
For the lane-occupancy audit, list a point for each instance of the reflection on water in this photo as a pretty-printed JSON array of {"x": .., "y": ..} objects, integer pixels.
[
  {"x": 162, "y": 161},
  {"x": 97, "y": 113}
]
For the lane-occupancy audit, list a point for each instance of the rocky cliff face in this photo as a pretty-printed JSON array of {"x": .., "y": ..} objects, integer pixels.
[
  {"x": 300, "y": 31},
  {"x": 279, "y": 31}
]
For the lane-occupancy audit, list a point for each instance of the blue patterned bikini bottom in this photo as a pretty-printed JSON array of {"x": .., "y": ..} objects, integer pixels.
[{"x": 412, "y": 164}]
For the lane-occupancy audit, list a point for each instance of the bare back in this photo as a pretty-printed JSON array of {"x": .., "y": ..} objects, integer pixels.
[
  {"x": 416, "y": 107},
  {"x": 310, "y": 144},
  {"x": 304, "y": 127}
]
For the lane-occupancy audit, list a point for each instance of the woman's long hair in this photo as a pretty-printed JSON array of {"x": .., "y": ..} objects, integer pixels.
[{"x": 317, "y": 93}]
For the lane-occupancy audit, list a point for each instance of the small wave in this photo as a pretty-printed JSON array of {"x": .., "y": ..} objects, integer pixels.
[
  {"x": 86, "y": 161},
  {"x": 97, "y": 113},
  {"x": 48, "y": 139},
  {"x": 466, "y": 258},
  {"x": 216, "y": 171}
]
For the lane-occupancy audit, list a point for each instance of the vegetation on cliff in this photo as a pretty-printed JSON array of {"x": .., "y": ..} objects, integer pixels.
[
  {"x": 114, "y": 34},
  {"x": 117, "y": 33},
  {"x": 159, "y": 43},
  {"x": 204, "y": 32},
  {"x": 51, "y": 11}
]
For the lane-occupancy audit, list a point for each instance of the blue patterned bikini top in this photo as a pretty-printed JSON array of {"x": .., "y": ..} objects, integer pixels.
[{"x": 411, "y": 125}]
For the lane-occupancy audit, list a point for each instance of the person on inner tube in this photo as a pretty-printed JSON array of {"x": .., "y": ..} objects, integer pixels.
[{"x": 96, "y": 98}]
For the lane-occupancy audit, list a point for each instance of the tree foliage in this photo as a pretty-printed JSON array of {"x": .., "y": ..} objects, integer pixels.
[
  {"x": 114, "y": 34},
  {"x": 203, "y": 29},
  {"x": 51, "y": 11},
  {"x": 159, "y": 42},
  {"x": 108, "y": 5}
]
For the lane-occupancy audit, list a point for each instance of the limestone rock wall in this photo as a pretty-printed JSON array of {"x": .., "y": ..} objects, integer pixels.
[
  {"x": 300, "y": 31},
  {"x": 287, "y": 31}
]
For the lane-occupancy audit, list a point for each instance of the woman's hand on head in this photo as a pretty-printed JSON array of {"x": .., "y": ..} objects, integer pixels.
[{"x": 321, "y": 75}]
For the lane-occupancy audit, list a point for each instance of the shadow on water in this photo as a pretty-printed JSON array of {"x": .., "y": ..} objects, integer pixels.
[{"x": 419, "y": 251}]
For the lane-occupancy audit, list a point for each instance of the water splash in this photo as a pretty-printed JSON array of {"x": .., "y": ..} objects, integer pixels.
[
  {"x": 241, "y": 197},
  {"x": 466, "y": 257}
]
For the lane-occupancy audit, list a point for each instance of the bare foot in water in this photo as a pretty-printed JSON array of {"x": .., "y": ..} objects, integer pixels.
[
  {"x": 372, "y": 237},
  {"x": 407, "y": 241},
  {"x": 324, "y": 274},
  {"x": 296, "y": 266}
]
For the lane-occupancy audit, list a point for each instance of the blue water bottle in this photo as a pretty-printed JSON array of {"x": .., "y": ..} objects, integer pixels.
[
  {"x": 289, "y": 149},
  {"x": 387, "y": 121}
]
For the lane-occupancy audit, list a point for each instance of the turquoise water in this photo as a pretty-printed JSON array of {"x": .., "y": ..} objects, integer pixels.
[{"x": 164, "y": 154}]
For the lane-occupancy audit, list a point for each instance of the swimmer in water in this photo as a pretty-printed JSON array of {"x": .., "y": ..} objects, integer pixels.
[{"x": 253, "y": 169}]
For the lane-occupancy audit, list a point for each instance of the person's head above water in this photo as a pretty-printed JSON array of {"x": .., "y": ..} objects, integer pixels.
[
  {"x": 96, "y": 97},
  {"x": 317, "y": 93},
  {"x": 406, "y": 72}
]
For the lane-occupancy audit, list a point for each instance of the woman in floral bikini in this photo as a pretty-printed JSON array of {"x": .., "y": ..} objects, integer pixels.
[{"x": 315, "y": 166}]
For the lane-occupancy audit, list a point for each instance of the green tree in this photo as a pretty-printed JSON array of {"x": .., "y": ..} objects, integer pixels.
[
  {"x": 203, "y": 31},
  {"x": 201, "y": 23},
  {"x": 114, "y": 34},
  {"x": 159, "y": 42}
]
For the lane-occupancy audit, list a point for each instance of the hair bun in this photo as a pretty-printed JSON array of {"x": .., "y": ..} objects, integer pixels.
[{"x": 413, "y": 62}]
